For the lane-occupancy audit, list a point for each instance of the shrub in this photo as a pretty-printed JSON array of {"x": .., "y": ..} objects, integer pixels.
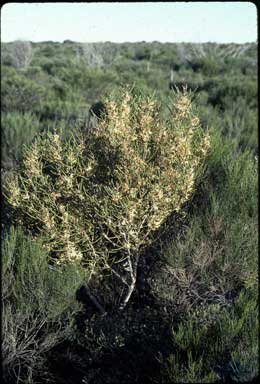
[
  {"x": 19, "y": 93},
  {"x": 227, "y": 90},
  {"x": 211, "y": 258},
  {"x": 216, "y": 343},
  {"x": 21, "y": 53},
  {"x": 239, "y": 122},
  {"x": 209, "y": 66},
  {"x": 17, "y": 129},
  {"x": 101, "y": 201},
  {"x": 18, "y": 54},
  {"x": 38, "y": 303}
]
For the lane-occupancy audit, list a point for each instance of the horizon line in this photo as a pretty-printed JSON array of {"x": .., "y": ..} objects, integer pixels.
[{"x": 129, "y": 42}]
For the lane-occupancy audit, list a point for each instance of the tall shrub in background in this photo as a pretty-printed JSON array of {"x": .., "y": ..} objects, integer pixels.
[
  {"x": 100, "y": 199},
  {"x": 19, "y": 54}
]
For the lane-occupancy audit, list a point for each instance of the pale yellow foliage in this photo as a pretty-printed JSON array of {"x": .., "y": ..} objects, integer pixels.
[{"x": 95, "y": 199}]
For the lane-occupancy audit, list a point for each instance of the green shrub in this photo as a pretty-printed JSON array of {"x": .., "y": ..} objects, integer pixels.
[
  {"x": 238, "y": 122},
  {"x": 17, "y": 129},
  {"x": 38, "y": 304},
  {"x": 54, "y": 109},
  {"x": 217, "y": 250},
  {"x": 101, "y": 201},
  {"x": 209, "y": 66},
  {"x": 225, "y": 91},
  {"x": 216, "y": 343},
  {"x": 19, "y": 93}
]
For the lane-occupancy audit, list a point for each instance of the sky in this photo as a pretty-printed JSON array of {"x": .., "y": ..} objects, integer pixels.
[{"x": 221, "y": 22}]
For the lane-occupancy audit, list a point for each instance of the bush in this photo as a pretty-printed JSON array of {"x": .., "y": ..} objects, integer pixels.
[
  {"x": 101, "y": 201},
  {"x": 17, "y": 129},
  {"x": 213, "y": 256},
  {"x": 38, "y": 303},
  {"x": 19, "y": 93},
  {"x": 17, "y": 54},
  {"x": 209, "y": 66},
  {"x": 227, "y": 90},
  {"x": 238, "y": 122},
  {"x": 216, "y": 343}
]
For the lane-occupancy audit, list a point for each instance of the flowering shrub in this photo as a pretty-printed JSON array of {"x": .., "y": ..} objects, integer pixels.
[{"x": 99, "y": 200}]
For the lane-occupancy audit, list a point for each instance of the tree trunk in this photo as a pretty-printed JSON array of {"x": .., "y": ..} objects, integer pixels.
[{"x": 132, "y": 263}]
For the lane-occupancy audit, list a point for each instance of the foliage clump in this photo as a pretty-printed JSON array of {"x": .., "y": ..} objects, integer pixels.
[
  {"x": 18, "y": 92},
  {"x": 38, "y": 305},
  {"x": 228, "y": 335},
  {"x": 100, "y": 199}
]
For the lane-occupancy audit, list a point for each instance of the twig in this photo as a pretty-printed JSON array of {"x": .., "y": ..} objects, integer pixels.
[{"x": 118, "y": 275}]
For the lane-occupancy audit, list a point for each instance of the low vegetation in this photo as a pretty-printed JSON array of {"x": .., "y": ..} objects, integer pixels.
[{"x": 129, "y": 234}]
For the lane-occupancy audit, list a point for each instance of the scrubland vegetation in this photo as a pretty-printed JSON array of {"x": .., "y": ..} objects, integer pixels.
[{"x": 129, "y": 233}]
